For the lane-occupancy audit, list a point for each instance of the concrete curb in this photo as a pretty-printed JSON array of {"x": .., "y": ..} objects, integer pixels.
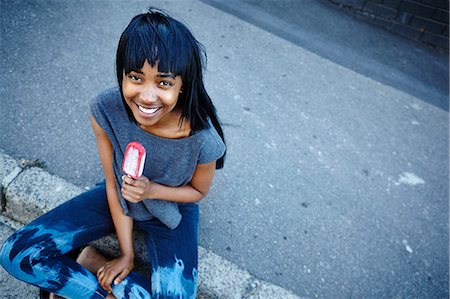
[{"x": 28, "y": 191}]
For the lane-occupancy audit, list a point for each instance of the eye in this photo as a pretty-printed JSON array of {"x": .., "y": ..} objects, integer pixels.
[
  {"x": 165, "y": 83},
  {"x": 134, "y": 78}
]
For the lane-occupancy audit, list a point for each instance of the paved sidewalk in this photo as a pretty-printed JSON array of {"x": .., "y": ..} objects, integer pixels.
[{"x": 29, "y": 191}]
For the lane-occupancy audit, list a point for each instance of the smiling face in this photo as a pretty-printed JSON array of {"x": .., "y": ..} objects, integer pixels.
[{"x": 152, "y": 97}]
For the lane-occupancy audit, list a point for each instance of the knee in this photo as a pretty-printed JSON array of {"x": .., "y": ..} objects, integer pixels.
[
  {"x": 6, "y": 253},
  {"x": 172, "y": 281},
  {"x": 18, "y": 252}
]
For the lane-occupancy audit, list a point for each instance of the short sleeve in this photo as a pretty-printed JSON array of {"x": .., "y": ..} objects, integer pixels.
[
  {"x": 96, "y": 106},
  {"x": 213, "y": 147}
]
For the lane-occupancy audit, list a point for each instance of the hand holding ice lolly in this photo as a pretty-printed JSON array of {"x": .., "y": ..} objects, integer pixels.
[
  {"x": 134, "y": 160},
  {"x": 133, "y": 165}
]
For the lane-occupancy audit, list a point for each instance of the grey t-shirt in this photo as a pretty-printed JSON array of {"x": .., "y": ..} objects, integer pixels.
[{"x": 170, "y": 162}]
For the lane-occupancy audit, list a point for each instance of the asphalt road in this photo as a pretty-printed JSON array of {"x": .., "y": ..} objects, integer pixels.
[
  {"x": 349, "y": 40},
  {"x": 336, "y": 181}
]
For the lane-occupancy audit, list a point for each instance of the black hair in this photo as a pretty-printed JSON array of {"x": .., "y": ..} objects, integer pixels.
[{"x": 163, "y": 41}]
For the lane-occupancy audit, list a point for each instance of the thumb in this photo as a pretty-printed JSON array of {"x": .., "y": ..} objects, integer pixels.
[{"x": 122, "y": 276}]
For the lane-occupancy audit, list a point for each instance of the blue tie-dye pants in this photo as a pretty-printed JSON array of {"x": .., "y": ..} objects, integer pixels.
[{"x": 36, "y": 253}]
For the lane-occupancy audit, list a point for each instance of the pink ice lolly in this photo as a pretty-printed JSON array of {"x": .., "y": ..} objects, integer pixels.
[{"x": 134, "y": 160}]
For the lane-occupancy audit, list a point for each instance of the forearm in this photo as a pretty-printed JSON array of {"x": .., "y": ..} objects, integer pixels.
[
  {"x": 195, "y": 190},
  {"x": 185, "y": 193},
  {"x": 122, "y": 223}
]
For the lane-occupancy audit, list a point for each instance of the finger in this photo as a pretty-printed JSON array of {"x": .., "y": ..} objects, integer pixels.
[
  {"x": 133, "y": 191},
  {"x": 122, "y": 276},
  {"x": 103, "y": 276},
  {"x": 128, "y": 180},
  {"x": 100, "y": 273},
  {"x": 101, "y": 279},
  {"x": 107, "y": 280},
  {"x": 130, "y": 196},
  {"x": 129, "y": 188}
]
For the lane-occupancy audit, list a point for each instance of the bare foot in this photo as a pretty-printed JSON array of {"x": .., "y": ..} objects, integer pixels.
[{"x": 91, "y": 259}]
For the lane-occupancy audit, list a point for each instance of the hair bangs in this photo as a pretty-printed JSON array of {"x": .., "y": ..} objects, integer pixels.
[{"x": 159, "y": 45}]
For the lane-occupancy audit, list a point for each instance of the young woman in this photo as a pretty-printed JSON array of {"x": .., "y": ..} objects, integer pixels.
[{"x": 162, "y": 103}]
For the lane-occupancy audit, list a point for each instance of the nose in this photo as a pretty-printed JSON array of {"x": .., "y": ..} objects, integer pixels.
[{"x": 149, "y": 93}]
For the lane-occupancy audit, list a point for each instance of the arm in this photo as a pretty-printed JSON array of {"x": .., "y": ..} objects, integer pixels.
[
  {"x": 122, "y": 223},
  {"x": 139, "y": 189}
]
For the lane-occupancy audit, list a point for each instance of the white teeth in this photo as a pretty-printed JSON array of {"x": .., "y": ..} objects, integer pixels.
[{"x": 148, "y": 110}]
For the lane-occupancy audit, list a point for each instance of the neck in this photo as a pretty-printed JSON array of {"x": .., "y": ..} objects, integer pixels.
[{"x": 173, "y": 128}]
